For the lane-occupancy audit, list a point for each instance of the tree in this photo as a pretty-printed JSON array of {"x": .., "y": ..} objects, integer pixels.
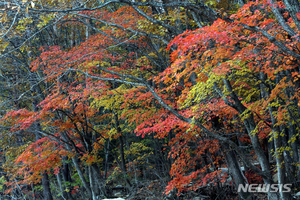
[{"x": 232, "y": 82}]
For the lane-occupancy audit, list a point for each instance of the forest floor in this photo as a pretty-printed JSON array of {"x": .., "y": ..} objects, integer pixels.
[{"x": 154, "y": 190}]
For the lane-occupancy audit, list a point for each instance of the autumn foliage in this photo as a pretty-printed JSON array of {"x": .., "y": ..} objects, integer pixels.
[{"x": 135, "y": 90}]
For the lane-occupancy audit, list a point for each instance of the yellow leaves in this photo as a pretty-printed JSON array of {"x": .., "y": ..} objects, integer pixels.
[
  {"x": 203, "y": 89},
  {"x": 139, "y": 152},
  {"x": 113, "y": 100},
  {"x": 293, "y": 138},
  {"x": 103, "y": 63},
  {"x": 211, "y": 3},
  {"x": 249, "y": 94},
  {"x": 2, "y": 181},
  {"x": 3, "y": 18},
  {"x": 254, "y": 131},
  {"x": 109, "y": 102},
  {"x": 23, "y": 23},
  {"x": 275, "y": 104},
  {"x": 44, "y": 20},
  {"x": 280, "y": 150},
  {"x": 149, "y": 27},
  {"x": 176, "y": 15},
  {"x": 138, "y": 72},
  {"x": 88, "y": 66},
  {"x": 3, "y": 45},
  {"x": 27, "y": 20},
  {"x": 113, "y": 133}
]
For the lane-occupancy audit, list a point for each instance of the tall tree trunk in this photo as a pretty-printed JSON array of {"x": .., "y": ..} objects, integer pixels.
[
  {"x": 123, "y": 164},
  {"x": 288, "y": 160},
  {"x": 250, "y": 127},
  {"x": 46, "y": 187},
  {"x": 106, "y": 164},
  {"x": 235, "y": 171},
  {"x": 65, "y": 172},
  {"x": 99, "y": 181},
  {"x": 81, "y": 176},
  {"x": 278, "y": 156},
  {"x": 92, "y": 183},
  {"x": 61, "y": 188}
]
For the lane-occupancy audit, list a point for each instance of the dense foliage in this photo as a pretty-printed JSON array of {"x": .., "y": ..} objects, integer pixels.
[{"x": 96, "y": 94}]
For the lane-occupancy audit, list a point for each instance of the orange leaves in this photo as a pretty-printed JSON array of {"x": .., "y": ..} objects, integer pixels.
[
  {"x": 80, "y": 104},
  {"x": 21, "y": 119},
  {"x": 187, "y": 157},
  {"x": 261, "y": 75},
  {"x": 40, "y": 156},
  {"x": 89, "y": 159}
]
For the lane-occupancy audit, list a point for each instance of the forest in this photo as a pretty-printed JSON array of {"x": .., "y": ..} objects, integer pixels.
[{"x": 149, "y": 99}]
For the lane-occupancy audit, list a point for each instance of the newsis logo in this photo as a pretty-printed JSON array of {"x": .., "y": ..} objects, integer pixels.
[{"x": 265, "y": 188}]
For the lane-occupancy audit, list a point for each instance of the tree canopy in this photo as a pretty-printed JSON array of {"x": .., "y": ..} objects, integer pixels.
[{"x": 96, "y": 94}]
